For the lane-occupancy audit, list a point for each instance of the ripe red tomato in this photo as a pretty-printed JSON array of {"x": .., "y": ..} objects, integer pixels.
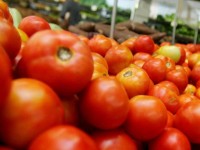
[
  {"x": 99, "y": 59},
  {"x": 170, "y": 139},
  {"x": 190, "y": 89},
  {"x": 31, "y": 108},
  {"x": 114, "y": 140},
  {"x": 187, "y": 119},
  {"x": 5, "y": 76},
  {"x": 156, "y": 69},
  {"x": 63, "y": 138},
  {"x": 129, "y": 43},
  {"x": 104, "y": 103},
  {"x": 167, "y": 96},
  {"x": 170, "y": 85},
  {"x": 100, "y": 44},
  {"x": 32, "y": 24},
  {"x": 5, "y": 148},
  {"x": 57, "y": 62},
  {"x": 135, "y": 80},
  {"x": 147, "y": 117},
  {"x": 193, "y": 59},
  {"x": 99, "y": 71},
  {"x": 118, "y": 57},
  {"x": 142, "y": 56},
  {"x": 195, "y": 74},
  {"x": 186, "y": 97},
  {"x": 9, "y": 33},
  {"x": 179, "y": 77},
  {"x": 144, "y": 43},
  {"x": 170, "y": 119}
]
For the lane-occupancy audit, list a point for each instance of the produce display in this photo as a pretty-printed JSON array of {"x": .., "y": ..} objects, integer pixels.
[{"x": 63, "y": 90}]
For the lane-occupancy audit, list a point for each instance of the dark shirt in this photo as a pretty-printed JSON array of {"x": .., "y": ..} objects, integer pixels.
[{"x": 74, "y": 9}]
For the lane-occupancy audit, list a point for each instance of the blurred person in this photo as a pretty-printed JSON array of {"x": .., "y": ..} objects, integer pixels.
[{"x": 70, "y": 13}]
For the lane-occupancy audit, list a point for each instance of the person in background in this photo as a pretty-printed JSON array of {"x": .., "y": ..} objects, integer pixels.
[{"x": 70, "y": 13}]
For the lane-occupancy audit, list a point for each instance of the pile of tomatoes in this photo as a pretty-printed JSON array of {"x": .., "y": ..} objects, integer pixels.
[{"x": 62, "y": 91}]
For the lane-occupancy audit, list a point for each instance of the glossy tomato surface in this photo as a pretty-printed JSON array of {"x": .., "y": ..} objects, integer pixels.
[{"x": 60, "y": 59}]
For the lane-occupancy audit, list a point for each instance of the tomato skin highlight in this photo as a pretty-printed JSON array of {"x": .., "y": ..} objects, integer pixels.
[{"x": 59, "y": 55}]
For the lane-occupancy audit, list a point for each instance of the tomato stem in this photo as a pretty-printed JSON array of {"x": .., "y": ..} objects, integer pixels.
[
  {"x": 64, "y": 53},
  {"x": 128, "y": 73}
]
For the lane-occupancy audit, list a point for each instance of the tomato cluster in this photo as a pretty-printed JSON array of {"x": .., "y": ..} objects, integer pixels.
[{"x": 61, "y": 91}]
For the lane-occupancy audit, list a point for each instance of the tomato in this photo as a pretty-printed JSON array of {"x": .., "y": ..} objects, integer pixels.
[
  {"x": 195, "y": 74},
  {"x": 5, "y": 76},
  {"x": 167, "y": 96},
  {"x": 24, "y": 37},
  {"x": 63, "y": 137},
  {"x": 113, "y": 42},
  {"x": 36, "y": 108},
  {"x": 99, "y": 71},
  {"x": 84, "y": 39},
  {"x": 129, "y": 43},
  {"x": 114, "y": 140},
  {"x": 102, "y": 100},
  {"x": 176, "y": 53},
  {"x": 4, "y": 11},
  {"x": 32, "y": 24},
  {"x": 142, "y": 56},
  {"x": 197, "y": 93},
  {"x": 8, "y": 33},
  {"x": 5, "y": 148},
  {"x": 186, "y": 97},
  {"x": 99, "y": 59},
  {"x": 170, "y": 85},
  {"x": 193, "y": 59},
  {"x": 118, "y": 57},
  {"x": 190, "y": 89},
  {"x": 135, "y": 80},
  {"x": 169, "y": 63},
  {"x": 187, "y": 119},
  {"x": 147, "y": 117},
  {"x": 144, "y": 43},
  {"x": 191, "y": 47},
  {"x": 179, "y": 77},
  {"x": 71, "y": 109},
  {"x": 100, "y": 44},
  {"x": 156, "y": 69},
  {"x": 60, "y": 59},
  {"x": 170, "y": 139}
]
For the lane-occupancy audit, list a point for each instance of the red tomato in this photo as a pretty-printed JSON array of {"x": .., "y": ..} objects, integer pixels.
[
  {"x": 144, "y": 43},
  {"x": 191, "y": 47},
  {"x": 31, "y": 108},
  {"x": 4, "y": 8},
  {"x": 135, "y": 80},
  {"x": 195, "y": 74},
  {"x": 193, "y": 59},
  {"x": 187, "y": 119},
  {"x": 118, "y": 57},
  {"x": 32, "y": 24},
  {"x": 156, "y": 69},
  {"x": 167, "y": 96},
  {"x": 185, "y": 98},
  {"x": 197, "y": 93},
  {"x": 147, "y": 117},
  {"x": 169, "y": 63},
  {"x": 99, "y": 71},
  {"x": 100, "y": 44},
  {"x": 190, "y": 89},
  {"x": 63, "y": 138},
  {"x": 10, "y": 39},
  {"x": 5, "y": 76},
  {"x": 103, "y": 100},
  {"x": 5, "y": 148},
  {"x": 84, "y": 39},
  {"x": 114, "y": 140},
  {"x": 179, "y": 78},
  {"x": 142, "y": 56},
  {"x": 170, "y": 139},
  {"x": 57, "y": 62},
  {"x": 170, "y": 85},
  {"x": 99, "y": 59},
  {"x": 129, "y": 43}
]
